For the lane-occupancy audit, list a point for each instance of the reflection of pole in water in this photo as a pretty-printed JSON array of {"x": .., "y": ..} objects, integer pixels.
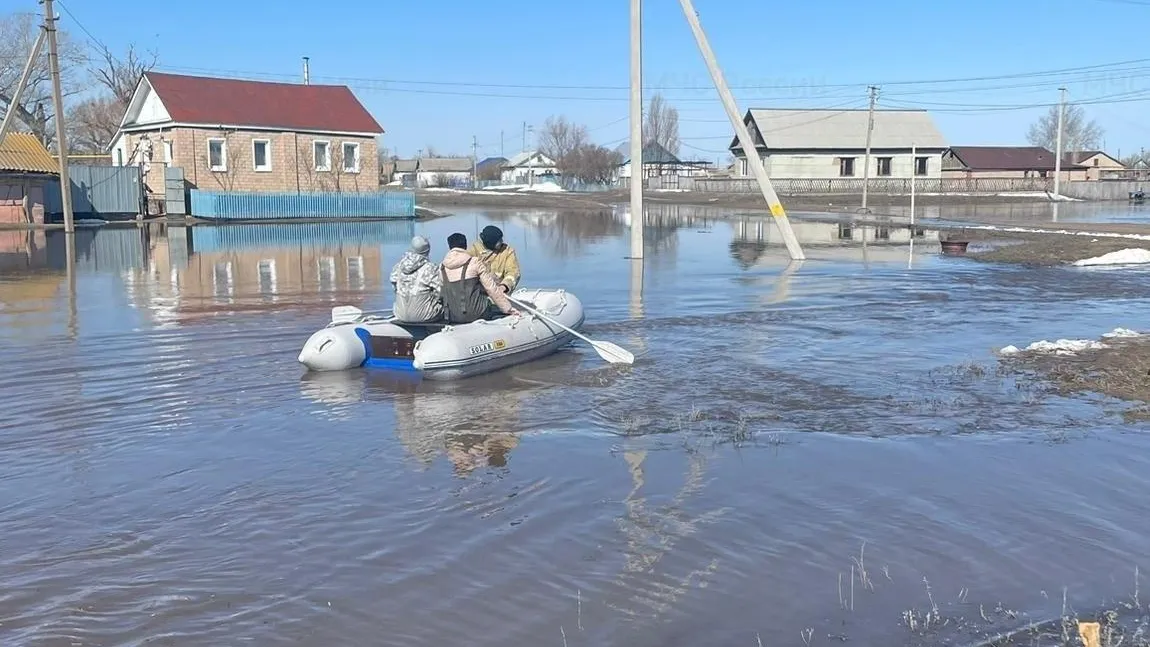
[
  {"x": 1054, "y": 212},
  {"x": 910, "y": 253},
  {"x": 636, "y": 288},
  {"x": 783, "y": 285},
  {"x": 70, "y": 268}
]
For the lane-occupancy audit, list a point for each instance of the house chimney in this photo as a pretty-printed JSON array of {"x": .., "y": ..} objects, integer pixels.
[{"x": 306, "y": 72}]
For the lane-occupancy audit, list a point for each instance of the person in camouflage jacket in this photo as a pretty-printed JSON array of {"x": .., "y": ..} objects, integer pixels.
[{"x": 417, "y": 284}]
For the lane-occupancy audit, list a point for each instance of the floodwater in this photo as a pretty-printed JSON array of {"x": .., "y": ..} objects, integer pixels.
[{"x": 801, "y": 454}]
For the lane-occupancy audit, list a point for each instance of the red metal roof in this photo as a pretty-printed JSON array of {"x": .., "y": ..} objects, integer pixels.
[
  {"x": 1005, "y": 158},
  {"x": 262, "y": 104}
]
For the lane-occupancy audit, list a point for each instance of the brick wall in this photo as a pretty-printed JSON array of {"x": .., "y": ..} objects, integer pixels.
[{"x": 190, "y": 148}]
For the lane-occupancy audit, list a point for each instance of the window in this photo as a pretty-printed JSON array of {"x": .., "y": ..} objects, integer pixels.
[
  {"x": 168, "y": 152},
  {"x": 845, "y": 231},
  {"x": 223, "y": 282},
  {"x": 119, "y": 157},
  {"x": 325, "y": 269},
  {"x": 882, "y": 233},
  {"x": 217, "y": 155},
  {"x": 846, "y": 167},
  {"x": 267, "y": 274},
  {"x": 920, "y": 165},
  {"x": 355, "y": 272},
  {"x": 261, "y": 155},
  {"x": 321, "y": 155},
  {"x": 350, "y": 157},
  {"x": 883, "y": 166}
]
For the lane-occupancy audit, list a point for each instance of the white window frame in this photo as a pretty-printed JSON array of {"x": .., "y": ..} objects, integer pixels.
[
  {"x": 315, "y": 158},
  {"x": 223, "y": 154},
  {"x": 343, "y": 157},
  {"x": 169, "y": 154},
  {"x": 267, "y": 167},
  {"x": 268, "y": 264}
]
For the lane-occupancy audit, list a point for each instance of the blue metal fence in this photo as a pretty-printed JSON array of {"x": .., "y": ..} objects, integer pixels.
[
  {"x": 288, "y": 206},
  {"x": 216, "y": 238}
]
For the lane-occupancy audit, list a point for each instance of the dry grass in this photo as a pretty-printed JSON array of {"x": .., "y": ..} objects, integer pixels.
[
  {"x": 1121, "y": 370},
  {"x": 1044, "y": 250}
]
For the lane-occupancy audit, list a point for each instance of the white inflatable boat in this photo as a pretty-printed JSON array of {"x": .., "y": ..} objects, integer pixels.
[{"x": 440, "y": 351}]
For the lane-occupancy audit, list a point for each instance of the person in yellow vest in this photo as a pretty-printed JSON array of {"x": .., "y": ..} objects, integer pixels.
[{"x": 498, "y": 256}]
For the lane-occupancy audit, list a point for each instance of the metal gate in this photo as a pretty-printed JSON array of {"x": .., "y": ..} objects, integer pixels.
[
  {"x": 99, "y": 192},
  {"x": 175, "y": 192}
]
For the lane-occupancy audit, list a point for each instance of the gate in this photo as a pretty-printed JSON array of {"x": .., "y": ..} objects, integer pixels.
[
  {"x": 99, "y": 192},
  {"x": 175, "y": 192}
]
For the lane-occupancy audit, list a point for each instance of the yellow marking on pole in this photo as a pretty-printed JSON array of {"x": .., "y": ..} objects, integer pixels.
[{"x": 777, "y": 210}]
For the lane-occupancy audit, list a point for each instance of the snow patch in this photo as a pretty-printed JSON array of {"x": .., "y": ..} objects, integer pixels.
[
  {"x": 544, "y": 187},
  {"x": 1069, "y": 346},
  {"x": 1132, "y": 256}
]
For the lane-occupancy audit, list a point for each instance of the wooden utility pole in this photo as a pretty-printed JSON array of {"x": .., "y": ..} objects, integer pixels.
[
  {"x": 866, "y": 157},
  {"x": 58, "y": 103}
]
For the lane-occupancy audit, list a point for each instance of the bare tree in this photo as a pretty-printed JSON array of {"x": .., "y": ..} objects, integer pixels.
[
  {"x": 590, "y": 163},
  {"x": 560, "y": 137},
  {"x": 92, "y": 124},
  {"x": 334, "y": 180},
  {"x": 662, "y": 124},
  {"x": 18, "y": 33},
  {"x": 121, "y": 75},
  {"x": 1078, "y": 133}
]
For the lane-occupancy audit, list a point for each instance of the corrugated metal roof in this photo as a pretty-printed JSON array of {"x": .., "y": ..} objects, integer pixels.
[
  {"x": 23, "y": 153},
  {"x": 845, "y": 129}
]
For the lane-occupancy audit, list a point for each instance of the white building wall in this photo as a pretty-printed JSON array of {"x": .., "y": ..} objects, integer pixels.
[{"x": 825, "y": 166}]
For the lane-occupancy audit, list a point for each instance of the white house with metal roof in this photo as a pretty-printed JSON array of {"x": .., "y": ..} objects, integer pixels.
[
  {"x": 831, "y": 143},
  {"x": 524, "y": 167}
]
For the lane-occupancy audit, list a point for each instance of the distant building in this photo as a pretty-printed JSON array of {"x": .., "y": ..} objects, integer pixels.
[
  {"x": 1098, "y": 164},
  {"x": 25, "y": 167},
  {"x": 658, "y": 161},
  {"x": 434, "y": 172},
  {"x": 490, "y": 168},
  {"x": 829, "y": 144},
  {"x": 235, "y": 135},
  {"x": 1005, "y": 162},
  {"x": 525, "y": 167}
]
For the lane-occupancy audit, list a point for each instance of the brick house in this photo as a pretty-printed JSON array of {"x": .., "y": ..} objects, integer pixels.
[
  {"x": 236, "y": 135},
  {"x": 25, "y": 167},
  {"x": 1005, "y": 162}
]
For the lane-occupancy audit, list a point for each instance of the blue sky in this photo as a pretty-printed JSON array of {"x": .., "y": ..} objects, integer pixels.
[{"x": 438, "y": 73}]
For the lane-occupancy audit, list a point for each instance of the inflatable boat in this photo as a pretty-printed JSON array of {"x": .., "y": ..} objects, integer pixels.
[{"x": 442, "y": 351}]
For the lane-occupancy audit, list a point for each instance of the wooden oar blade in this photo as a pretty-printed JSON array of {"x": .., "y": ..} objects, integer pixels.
[{"x": 613, "y": 353}]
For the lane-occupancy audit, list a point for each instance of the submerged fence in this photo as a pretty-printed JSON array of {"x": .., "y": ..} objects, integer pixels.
[{"x": 289, "y": 206}]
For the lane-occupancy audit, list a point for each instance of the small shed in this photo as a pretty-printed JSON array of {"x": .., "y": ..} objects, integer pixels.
[{"x": 25, "y": 167}]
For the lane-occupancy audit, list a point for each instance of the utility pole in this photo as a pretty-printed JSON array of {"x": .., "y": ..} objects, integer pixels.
[
  {"x": 866, "y": 157},
  {"x": 744, "y": 135},
  {"x": 501, "y": 151},
  {"x": 637, "y": 129},
  {"x": 58, "y": 103},
  {"x": 18, "y": 93},
  {"x": 306, "y": 71},
  {"x": 1058, "y": 144},
  {"x": 474, "y": 162}
]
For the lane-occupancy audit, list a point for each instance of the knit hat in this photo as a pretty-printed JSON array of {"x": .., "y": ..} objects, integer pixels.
[
  {"x": 419, "y": 245},
  {"x": 491, "y": 237}
]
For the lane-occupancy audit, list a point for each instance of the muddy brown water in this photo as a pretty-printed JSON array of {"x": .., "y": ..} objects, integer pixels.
[{"x": 802, "y": 453}]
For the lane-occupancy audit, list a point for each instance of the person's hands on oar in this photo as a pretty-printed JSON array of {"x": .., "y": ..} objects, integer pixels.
[{"x": 606, "y": 350}]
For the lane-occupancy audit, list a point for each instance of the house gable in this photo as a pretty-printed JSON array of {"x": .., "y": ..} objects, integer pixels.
[{"x": 145, "y": 108}]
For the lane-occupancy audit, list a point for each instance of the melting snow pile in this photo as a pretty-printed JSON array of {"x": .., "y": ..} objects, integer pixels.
[
  {"x": 545, "y": 187},
  {"x": 1132, "y": 256},
  {"x": 1069, "y": 346}
]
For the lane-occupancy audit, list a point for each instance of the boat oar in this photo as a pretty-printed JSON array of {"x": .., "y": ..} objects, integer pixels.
[{"x": 606, "y": 350}]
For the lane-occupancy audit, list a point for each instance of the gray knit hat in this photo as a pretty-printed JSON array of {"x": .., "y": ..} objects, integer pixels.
[{"x": 419, "y": 245}]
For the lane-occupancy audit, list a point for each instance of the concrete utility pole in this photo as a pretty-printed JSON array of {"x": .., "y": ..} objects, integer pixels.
[
  {"x": 306, "y": 71},
  {"x": 474, "y": 162},
  {"x": 745, "y": 141},
  {"x": 58, "y": 103},
  {"x": 636, "y": 129},
  {"x": 1058, "y": 144},
  {"x": 866, "y": 157},
  {"x": 18, "y": 93}
]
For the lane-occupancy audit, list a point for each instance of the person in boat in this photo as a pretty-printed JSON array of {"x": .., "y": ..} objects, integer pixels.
[
  {"x": 469, "y": 290},
  {"x": 417, "y": 283},
  {"x": 498, "y": 256}
]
